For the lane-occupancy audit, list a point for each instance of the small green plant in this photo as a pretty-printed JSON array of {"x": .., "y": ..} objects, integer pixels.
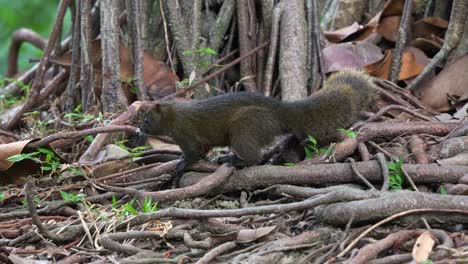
[
  {"x": 36, "y": 200},
  {"x": 134, "y": 152},
  {"x": 311, "y": 149},
  {"x": 50, "y": 162},
  {"x": 289, "y": 164},
  {"x": 25, "y": 156},
  {"x": 75, "y": 171},
  {"x": 202, "y": 56},
  {"x": 2, "y": 196},
  {"x": 208, "y": 51},
  {"x": 7, "y": 100},
  {"x": 128, "y": 208},
  {"x": 396, "y": 174},
  {"x": 348, "y": 132},
  {"x": 77, "y": 116},
  {"x": 148, "y": 206},
  {"x": 70, "y": 197},
  {"x": 130, "y": 83},
  {"x": 443, "y": 191},
  {"x": 114, "y": 202},
  {"x": 32, "y": 113}
]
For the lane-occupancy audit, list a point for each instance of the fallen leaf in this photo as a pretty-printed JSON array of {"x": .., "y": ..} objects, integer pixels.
[
  {"x": 430, "y": 47},
  {"x": 250, "y": 235},
  {"x": 423, "y": 247},
  {"x": 342, "y": 33},
  {"x": 428, "y": 27},
  {"x": 388, "y": 27},
  {"x": 8, "y": 150},
  {"x": 350, "y": 55},
  {"x": 451, "y": 81},
  {"x": 394, "y": 7},
  {"x": 413, "y": 62}
]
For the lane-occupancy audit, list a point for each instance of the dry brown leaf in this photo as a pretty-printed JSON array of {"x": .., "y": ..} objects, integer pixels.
[
  {"x": 342, "y": 33},
  {"x": 367, "y": 31},
  {"x": 394, "y": 7},
  {"x": 16, "y": 172},
  {"x": 428, "y": 27},
  {"x": 423, "y": 247},
  {"x": 430, "y": 47},
  {"x": 249, "y": 235},
  {"x": 380, "y": 69},
  {"x": 413, "y": 62},
  {"x": 388, "y": 27},
  {"x": 8, "y": 150},
  {"x": 451, "y": 81},
  {"x": 350, "y": 55}
]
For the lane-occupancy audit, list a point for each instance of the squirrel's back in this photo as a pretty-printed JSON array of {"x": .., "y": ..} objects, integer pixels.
[{"x": 338, "y": 104}]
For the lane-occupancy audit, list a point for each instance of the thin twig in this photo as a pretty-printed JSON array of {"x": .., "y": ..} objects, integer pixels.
[{"x": 401, "y": 41}]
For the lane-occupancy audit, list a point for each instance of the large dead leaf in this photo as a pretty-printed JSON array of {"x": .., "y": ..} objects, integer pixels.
[
  {"x": 367, "y": 31},
  {"x": 451, "y": 81},
  {"x": 394, "y": 7},
  {"x": 383, "y": 23},
  {"x": 350, "y": 55},
  {"x": 428, "y": 27},
  {"x": 430, "y": 47},
  {"x": 250, "y": 235},
  {"x": 413, "y": 62},
  {"x": 16, "y": 172},
  {"x": 423, "y": 247},
  {"x": 342, "y": 33},
  {"x": 8, "y": 150}
]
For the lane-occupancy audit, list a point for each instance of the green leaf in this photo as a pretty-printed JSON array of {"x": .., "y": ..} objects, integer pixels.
[
  {"x": 309, "y": 154},
  {"x": 17, "y": 157},
  {"x": 443, "y": 191},
  {"x": 312, "y": 140},
  {"x": 129, "y": 209},
  {"x": 31, "y": 113},
  {"x": 348, "y": 132},
  {"x": 208, "y": 51},
  {"x": 89, "y": 138},
  {"x": 78, "y": 108},
  {"x": 69, "y": 197},
  {"x": 289, "y": 164},
  {"x": 46, "y": 168},
  {"x": 114, "y": 202}
]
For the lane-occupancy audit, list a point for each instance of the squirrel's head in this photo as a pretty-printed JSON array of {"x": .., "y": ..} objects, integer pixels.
[{"x": 159, "y": 119}]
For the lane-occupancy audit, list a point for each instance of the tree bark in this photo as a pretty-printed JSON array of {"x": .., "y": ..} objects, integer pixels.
[
  {"x": 112, "y": 95},
  {"x": 293, "y": 51}
]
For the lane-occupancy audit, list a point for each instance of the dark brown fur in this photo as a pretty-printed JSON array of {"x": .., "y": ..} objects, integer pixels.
[{"x": 248, "y": 122}]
